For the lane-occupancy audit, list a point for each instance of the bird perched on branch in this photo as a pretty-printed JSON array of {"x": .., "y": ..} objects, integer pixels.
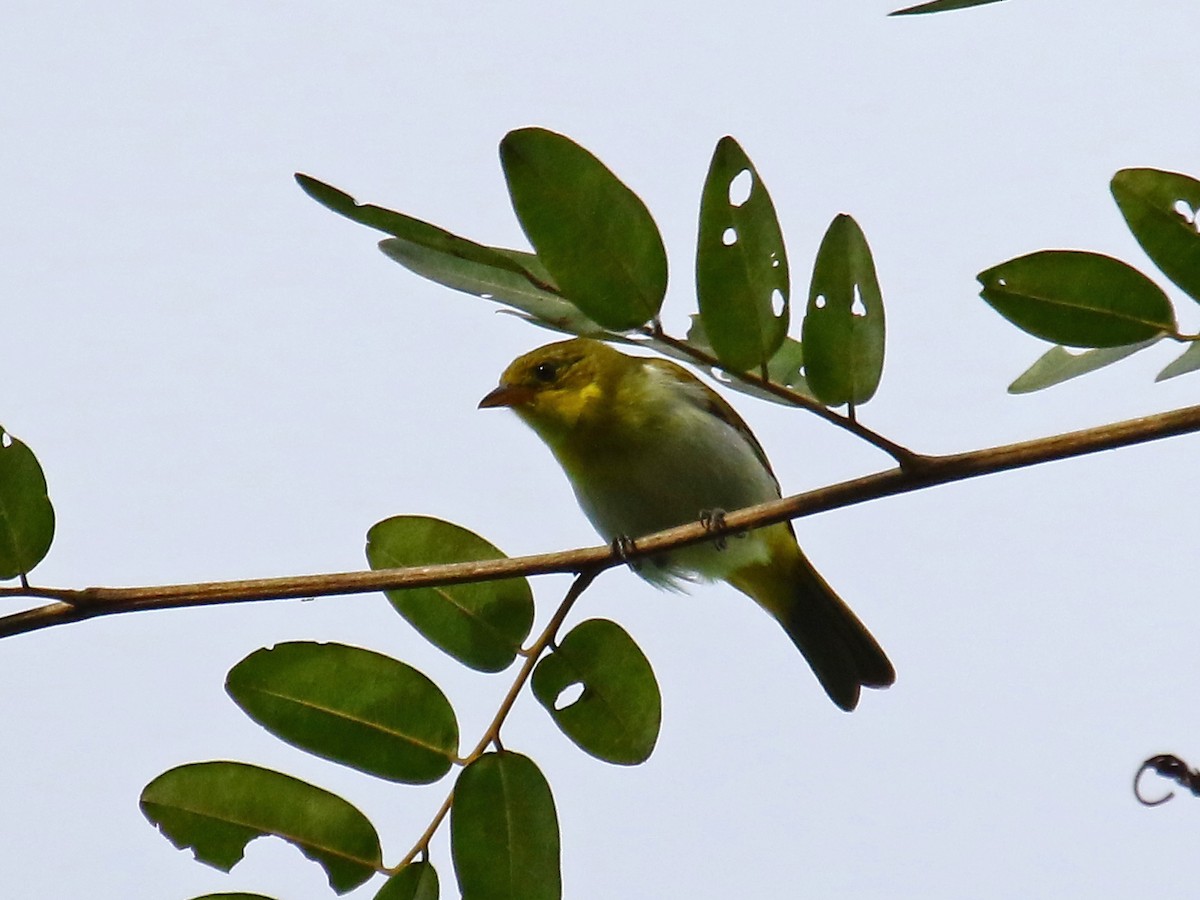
[{"x": 647, "y": 446}]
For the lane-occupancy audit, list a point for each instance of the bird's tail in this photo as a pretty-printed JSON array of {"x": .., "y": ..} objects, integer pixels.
[{"x": 836, "y": 644}]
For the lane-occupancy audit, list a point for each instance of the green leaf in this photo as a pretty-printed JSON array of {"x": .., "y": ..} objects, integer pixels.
[
  {"x": 414, "y": 230},
  {"x": 741, "y": 263},
  {"x": 510, "y": 277},
  {"x": 1189, "y": 361},
  {"x": 493, "y": 283},
  {"x": 216, "y": 808},
  {"x": 480, "y": 625},
  {"x": 353, "y": 706},
  {"x": 843, "y": 331},
  {"x": 504, "y": 831},
  {"x": 416, "y": 881},
  {"x": 594, "y": 235},
  {"x": 1058, "y": 364},
  {"x": 234, "y": 896},
  {"x": 1077, "y": 298},
  {"x": 786, "y": 368},
  {"x": 26, "y": 515},
  {"x": 1161, "y": 209},
  {"x": 617, "y": 715},
  {"x": 935, "y": 6}
]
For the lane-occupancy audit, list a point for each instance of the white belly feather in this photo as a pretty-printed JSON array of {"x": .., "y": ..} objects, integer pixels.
[{"x": 684, "y": 462}]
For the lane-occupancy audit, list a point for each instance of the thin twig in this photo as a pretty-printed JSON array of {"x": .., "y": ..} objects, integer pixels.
[
  {"x": 578, "y": 586},
  {"x": 76, "y": 605},
  {"x": 422, "y": 844},
  {"x": 492, "y": 734}
]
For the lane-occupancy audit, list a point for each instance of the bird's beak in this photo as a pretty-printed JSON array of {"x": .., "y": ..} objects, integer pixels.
[{"x": 506, "y": 395}]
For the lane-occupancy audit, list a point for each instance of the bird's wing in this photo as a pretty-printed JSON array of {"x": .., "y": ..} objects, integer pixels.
[{"x": 703, "y": 397}]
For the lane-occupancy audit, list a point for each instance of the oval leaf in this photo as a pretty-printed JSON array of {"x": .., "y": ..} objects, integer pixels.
[
  {"x": 506, "y": 276},
  {"x": 353, "y": 706},
  {"x": 480, "y": 625},
  {"x": 414, "y": 230},
  {"x": 492, "y": 283},
  {"x": 843, "y": 332},
  {"x": 1079, "y": 299},
  {"x": 234, "y": 896},
  {"x": 416, "y": 881},
  {"x": 1058, "y": 364},
  {"x": 617, "y": 716},
  {"x": 1162, "y": 210},
  {"x": 593, "y": 233},
  {"x": 216, "y": 808},
  {"x": 741, "y": 263},
  {"x": 1189, "y": 361},
  {"x": 504, "y": 831},
  {"x": 26, "y": 515}
]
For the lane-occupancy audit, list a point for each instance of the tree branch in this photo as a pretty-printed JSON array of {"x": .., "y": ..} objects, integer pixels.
[{"x": 76, "y": 605}]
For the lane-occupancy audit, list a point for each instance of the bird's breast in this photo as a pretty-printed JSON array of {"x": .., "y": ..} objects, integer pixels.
[{"x": 669, "y": 473}]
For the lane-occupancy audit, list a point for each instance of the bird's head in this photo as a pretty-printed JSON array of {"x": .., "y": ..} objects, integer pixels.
[{"x": 553, "y": 387}]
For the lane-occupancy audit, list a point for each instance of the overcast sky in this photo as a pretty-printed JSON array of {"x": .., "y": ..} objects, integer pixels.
[{"x": 222, "y": 379}]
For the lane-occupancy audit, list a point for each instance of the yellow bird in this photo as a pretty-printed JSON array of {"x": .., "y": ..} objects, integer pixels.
[{"x": 647, "y": 446}]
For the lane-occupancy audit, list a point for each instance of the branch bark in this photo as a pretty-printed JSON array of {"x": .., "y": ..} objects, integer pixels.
[{"x": 926, "y": 471}]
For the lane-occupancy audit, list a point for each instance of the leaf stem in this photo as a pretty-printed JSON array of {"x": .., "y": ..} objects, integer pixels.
[
  {"x": 421, "y": 847},
  {"x": 491, "y": 736},
  {"x": 578, "y": 586},
  {"x": 906, "y": 458}
]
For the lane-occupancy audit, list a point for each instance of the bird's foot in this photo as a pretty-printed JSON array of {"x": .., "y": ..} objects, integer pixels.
[
  {"x": 623, "y": 547},
  {"x": 714, "y": 520}
]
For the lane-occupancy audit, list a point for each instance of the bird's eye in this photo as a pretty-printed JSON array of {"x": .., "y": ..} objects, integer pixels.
[{"x": 544, "y": 372}]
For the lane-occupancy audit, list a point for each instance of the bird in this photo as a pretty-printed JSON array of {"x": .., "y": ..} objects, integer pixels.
[{"x": 647, "y": 446}]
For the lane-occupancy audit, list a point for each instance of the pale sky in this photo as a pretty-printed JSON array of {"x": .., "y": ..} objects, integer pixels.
[{"x": 223, "y": 380}]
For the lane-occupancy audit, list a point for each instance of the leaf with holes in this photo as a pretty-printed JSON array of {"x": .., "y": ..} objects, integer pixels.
[
  {"x": 504, "y": 831},
  {"x": 843, "y": 332},
  {"x": 416, "y": 881},
  {"x": 936, "y": 6},
  {"x": 1078, "y": 299},
  {"x": 594, "y": 234},
  {"x": 350, "y": 705},
  {"x": 217, "y": 808},
  {"x": 26, "y": 514},
  {"x": 741, "y": 263},
  {"x": 1058, "y": 364},
  {"x": 1162, "y": 210},
  {"x": 1189, "y": 361},
  {"x": 617, "y": 714},
  {"x": 481, "y": 625}
]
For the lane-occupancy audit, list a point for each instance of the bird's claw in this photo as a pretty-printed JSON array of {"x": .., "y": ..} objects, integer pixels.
[
  {"x": 714, "y": 520},
  {"x": 623, "y": 548}
]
